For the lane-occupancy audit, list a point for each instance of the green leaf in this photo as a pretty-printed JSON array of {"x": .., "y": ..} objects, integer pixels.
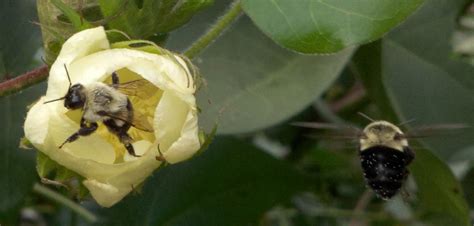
[
  {"x": 151, "y": 16},
  {"x": 176, "y": 13},
  {"x": 321, "y": 26},
  {"x": 367, "y": 63},
  {"x": 20, "y": 39},
  {"x": 232, "y": 183},
  {"x": 44, "y": 165},
  {"x": 77, "y": 20},
  {"x": 16, "y": 165},
  {"x": 207, "y": 138},
  {"x": 58, "y": 21},
  {"x": 423, "y": 81},
  {"x": 25, "y": 144},
  {"x": 141, "y": 45},
  {"x": 401, "y": 70},
  {"x": 53, "y": 173},
  {"x": 253, "y": 83},
  {"x": 440, "y": 194},
  {"x": 468, "y": 185},
  {"x": 19, "y": 42}
]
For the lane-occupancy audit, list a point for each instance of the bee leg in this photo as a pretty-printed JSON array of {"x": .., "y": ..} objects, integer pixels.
[
  {"x": 127, "y": 142},
  {"x": 115, "y": 79},
  {"x": 85, "y": 130},
  {"x": 405, "y": 194},
  {"x": 121, "y": 132},
  {"x": 410, "y": 155}
]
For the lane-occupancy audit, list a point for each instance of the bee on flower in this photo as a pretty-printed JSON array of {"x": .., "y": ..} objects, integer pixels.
[{"x": 112, "y": 110}]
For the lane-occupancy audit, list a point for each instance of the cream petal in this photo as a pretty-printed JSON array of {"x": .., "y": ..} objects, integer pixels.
[
  {"x": 177, "y": 72},
  {"x": 36, "y": 123},
  {"x": 97, "y": 150},
  {"x": 92, "y": 147},
  {"x": 170, "y": 115},
  {"x": 110, "y": 191},
  {"x": 77, "y": 46},
  {"x": 187, "y": 143},
  {"x": 136, "y": 171},
  {"x": 94, "y": 167},
  {"x": 101, "y": 171},
  {"x": 140, "y": 147},
  {"x": 155, "y": 68},
  {"x": 109, "y": 183},
  {"x": 105, "y": 194}
]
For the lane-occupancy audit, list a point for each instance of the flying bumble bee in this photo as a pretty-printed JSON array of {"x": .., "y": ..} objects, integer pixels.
[
  {"x": 384, "y": 156},
  {"x": 384, "y": 151},
  {"x": 106, "y": 103}
]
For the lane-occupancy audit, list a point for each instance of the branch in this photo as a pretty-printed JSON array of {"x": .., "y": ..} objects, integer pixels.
[
  {"x": 360, "y": 207},
  {"x": 215, "y": 30},
  {"x": 76, "y": 208},
  {"x": 23, "y": 81},
  {"x": 355, "y": 94}
]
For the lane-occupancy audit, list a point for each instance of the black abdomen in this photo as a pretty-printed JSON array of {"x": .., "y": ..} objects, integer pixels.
[{"x": 385, "y": 169}]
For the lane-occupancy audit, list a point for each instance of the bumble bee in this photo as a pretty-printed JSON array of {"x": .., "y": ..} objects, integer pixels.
[
  {"x": 108, "y": 104},
  {"x": 384, "y": 152},
  {"x": 384, "y": 156}
]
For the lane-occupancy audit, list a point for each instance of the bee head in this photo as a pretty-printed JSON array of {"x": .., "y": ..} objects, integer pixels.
[
  {"x": 75, "y": 97},
  {"x": 383, "y": 133}
]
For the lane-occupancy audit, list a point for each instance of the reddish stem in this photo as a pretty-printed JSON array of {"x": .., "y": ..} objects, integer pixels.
[
  {"x": 20, "y": 82},
  {"x": 356, "y": 93}
]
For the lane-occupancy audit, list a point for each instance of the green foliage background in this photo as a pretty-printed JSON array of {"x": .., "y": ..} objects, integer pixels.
[{"x": 394, "y": 59}]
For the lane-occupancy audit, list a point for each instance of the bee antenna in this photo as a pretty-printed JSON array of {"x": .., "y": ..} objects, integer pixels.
[
  {"x": 366, "y": 116},
  {"x": 406, "y": 122},
  {"x": 49, "y": 101},
  {"x": 44, "y": 61},
  {"x": 68, "y": 77}
]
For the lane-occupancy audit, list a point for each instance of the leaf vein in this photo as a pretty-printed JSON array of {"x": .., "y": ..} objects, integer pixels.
[
  {"x": 288, "y": 22},
  {"x": 347, "y": 12}
]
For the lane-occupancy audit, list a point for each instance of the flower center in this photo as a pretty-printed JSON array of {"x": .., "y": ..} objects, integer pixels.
[{"x": 144, "y": 99}]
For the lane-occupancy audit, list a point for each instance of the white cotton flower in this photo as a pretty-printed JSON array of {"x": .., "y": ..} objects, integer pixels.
[{"x": 110, "y": 172}]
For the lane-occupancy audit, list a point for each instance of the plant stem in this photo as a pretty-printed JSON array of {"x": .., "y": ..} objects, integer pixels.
[
  {"x": 360, "y": 207},
  {"x": 23, "y": 81},
  {"x": 215, "y": 30},
  {"x": 355, "y": 94},
  {"x": 326, "y": 113},
  {"x": 76, "y": 208}
]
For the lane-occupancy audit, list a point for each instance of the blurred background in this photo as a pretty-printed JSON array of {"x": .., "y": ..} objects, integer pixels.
[{"x": 260, "y": 170}]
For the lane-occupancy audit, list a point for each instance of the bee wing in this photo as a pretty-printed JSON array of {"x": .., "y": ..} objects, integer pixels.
[
  {"x": 433, "y": 130},
  {"x": 139, "y": 121},
  {"x": 343, "y": 131},
  {"x": 320, "y": 125},
  {"x": 138, "y": 88}
]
